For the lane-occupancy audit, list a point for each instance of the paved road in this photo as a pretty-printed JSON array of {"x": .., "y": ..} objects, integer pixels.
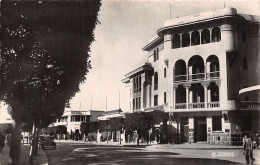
[{"x": 78, "y": 153}]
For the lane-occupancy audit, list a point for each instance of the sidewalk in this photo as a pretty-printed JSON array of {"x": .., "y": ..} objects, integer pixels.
[{"x": 40, "y": 159}]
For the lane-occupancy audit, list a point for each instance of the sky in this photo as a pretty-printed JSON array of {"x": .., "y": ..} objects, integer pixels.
[{"x": 126, "y": 27}]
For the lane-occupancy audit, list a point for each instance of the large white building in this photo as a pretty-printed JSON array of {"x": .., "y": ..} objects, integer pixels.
[
  {"x": 193, "y": 72},
  {"x": 72, "y": 119}
]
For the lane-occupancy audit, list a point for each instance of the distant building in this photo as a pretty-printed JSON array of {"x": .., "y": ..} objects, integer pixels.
[
  {"x": 72, "y": 119},
  {"x": 193, "y": 73}
]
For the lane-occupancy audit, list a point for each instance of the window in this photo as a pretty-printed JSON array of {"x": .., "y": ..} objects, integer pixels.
[
  {"x": 165, "y": 97},
  {"x": 244, "y": 63},
  {"x": 165, "y": 72},
  {"x": 155, "y": 100},
  {"x": 176, "y": 41},
  {"x": 185, "y": 39},
  {"x": 137, "y": 103},
  {"x": 156, "y": 54},
  {"x": 216, "y": 123},
  {"x": 155, "y": 81},
  {"x": 216, "y": 35},
  {"x": 137, "y": 84}
]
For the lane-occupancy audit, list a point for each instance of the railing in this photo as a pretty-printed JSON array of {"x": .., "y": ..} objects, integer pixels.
[
  {"x": 197, "y": 76},
  {"x": 213, "y": 104},
  {"x": 180, "y": 78},
  {"x": 253, "y": 105},
  {"x": 180, "y": 106},
  {"x": 213, "y": 75},
  {"x": 196, "y": 105}
]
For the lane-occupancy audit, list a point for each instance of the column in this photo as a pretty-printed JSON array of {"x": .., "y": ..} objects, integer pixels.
[
  {"x": 190, "y": 73},
  {"x": 209, "y": 128},
  {"x": 180, "y": 39},
  {"x": 174, "y": 95},
  {"x": 170, "y": 90},
  {"x": 191, "y": 130},
  {"x": 219, "y": 92},
  {"x": 131, "y": 93},
  {"x": 210, "y": 33},
  {"x": 208, "y": 70},
  {"x": 190, "y": 37},
  {"x": 205, "y": 85},
  {"x": 187, "y": 87},
  {"x": 187, "y": 74}
]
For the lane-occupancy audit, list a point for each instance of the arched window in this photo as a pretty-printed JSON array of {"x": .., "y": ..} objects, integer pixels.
[
  {"x": 176, "y": 41},
  {"x": 155, "y": 81},
  {"x": 165, "y": 72},
  {"x": 195, "y": 38},
  {"x": 216, "y": 35},
  {"x": 205, "y": 36},
  {"x": 185, "y": 39}
]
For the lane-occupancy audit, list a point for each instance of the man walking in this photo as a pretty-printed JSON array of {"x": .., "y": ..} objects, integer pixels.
[{"x": 248, "y": 149}]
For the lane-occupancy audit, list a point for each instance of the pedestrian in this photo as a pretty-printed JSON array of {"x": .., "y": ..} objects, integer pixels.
[
  {"x": 2, "y": 141},
  {"x": 248, "y": 150},
  {"x": 8, "y": 140},
  {"x": 257, "y": 140}
]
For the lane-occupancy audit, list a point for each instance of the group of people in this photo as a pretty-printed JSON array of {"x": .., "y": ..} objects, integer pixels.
[{"x": 248, "y": 146}]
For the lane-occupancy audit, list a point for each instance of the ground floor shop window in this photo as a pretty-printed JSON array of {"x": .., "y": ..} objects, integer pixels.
[{"x": 216, "y": 123}]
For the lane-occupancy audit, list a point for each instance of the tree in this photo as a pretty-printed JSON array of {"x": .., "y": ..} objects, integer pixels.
[
  {"x": 84, "y": 128},
  {"x": 104, "y": 125},
  {"x": 44, "y": 59},
  {"x": 140, "y": 122},
  {"x": 117, "y": 124}
]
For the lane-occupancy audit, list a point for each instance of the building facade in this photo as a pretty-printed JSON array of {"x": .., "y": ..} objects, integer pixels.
[
  {"x": 193, "y": 73},
  {"x": 72, "y": 120}
]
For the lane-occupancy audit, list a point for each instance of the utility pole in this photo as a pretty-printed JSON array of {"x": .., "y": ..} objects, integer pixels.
[{"x": 119, "y": 99}]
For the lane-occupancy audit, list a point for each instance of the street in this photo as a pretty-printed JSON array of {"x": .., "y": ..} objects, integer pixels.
[{"x": 90, "y": 153}]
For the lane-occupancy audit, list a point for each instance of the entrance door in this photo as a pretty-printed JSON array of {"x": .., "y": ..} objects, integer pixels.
[
  {"x": 200, "y": 129},
  {"x": 184, "y": 129}
]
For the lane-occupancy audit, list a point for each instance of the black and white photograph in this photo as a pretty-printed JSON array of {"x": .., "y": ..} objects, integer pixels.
[{"x": 118, "y": 82}]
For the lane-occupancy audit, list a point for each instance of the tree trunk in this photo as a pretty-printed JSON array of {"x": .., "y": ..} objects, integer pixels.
[
  {"x": 37, "y": 140},
  {"x": 138, "y": 139},
  {"x": 120, "y": 137},
  {"x": 32, "y": 145},
  {"x": 15, "y": 145},
  {"x": 107, "y": 136}
]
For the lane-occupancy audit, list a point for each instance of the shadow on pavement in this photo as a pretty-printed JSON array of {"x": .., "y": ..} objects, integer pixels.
[{"x": 104, "y": 154}]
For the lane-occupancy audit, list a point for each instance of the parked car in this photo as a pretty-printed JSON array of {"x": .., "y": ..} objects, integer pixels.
[{"x": 47, "y": 141}]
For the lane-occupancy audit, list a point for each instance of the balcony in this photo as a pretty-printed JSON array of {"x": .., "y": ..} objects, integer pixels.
[
  {"x": 250, "y": 105},
  {"x": 196, "y": 77},
  {"x": 180, "y": 106},
  {"x": 196, "y": 105},
  {"x": 213, "y": 104},
  {"x": 200, "y": 105}
]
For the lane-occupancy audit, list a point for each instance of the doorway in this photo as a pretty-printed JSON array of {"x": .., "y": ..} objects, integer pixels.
[
  {"x": 200, "y": 128},
  {"x": 184, "y": 129}
]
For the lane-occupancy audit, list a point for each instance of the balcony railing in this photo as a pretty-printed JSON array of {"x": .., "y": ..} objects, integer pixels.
[
  {"x": 251, "y": 105},
  {"x": 213, "y": 75},
  {"x": 197, "y": 76},
  {"x": 180, "y": 106},
  {"x": 213, "y": 104},
  {"x": 180, "y": 78},
  {"x": 196, "y": 105}
]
